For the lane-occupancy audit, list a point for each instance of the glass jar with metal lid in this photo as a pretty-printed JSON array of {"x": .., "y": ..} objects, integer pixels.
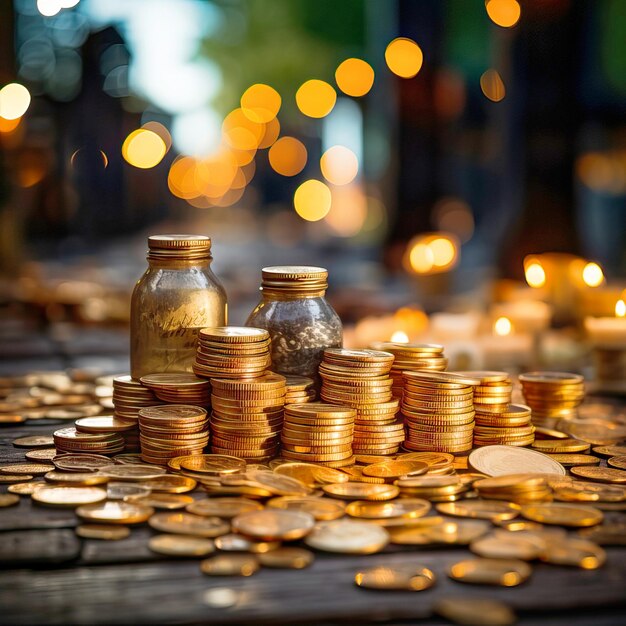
[
  {"x": 301, "y": 322},
  {"x": 177, "y": 296}
]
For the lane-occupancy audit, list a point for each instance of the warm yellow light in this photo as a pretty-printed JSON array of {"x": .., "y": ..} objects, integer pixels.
[
  {"x": 620, "y": 308},
  {"x": 260, "y": 103},
  {"x": 404, "y": 57},
  {"x": 399, "y": 337},
  {"x": 270, "y": 133},
  {"x": 505, "y": 13},
  {"x": 503, "y": 327},
  {"x": 14, "y": 101},
  {"x": 240, "y": 132},
  {"x": 288, "y": 156},
  {"x": 354, "y": 77},
  {"x": 8, "y": 126},
  {"x": 339, "y": 165},
  {"x": 181, "y": 178},
  {"x": 312, "y": 200},
  {"x": 213, "y": 176},
  {"x": 349, "y": 210},
  {"x": 444, "y": 251},
  {"x": 316, "y": 98},
  {"x": 421, "y": 258},
  {"x": 593, "y": 275},
  {"x": 161, "y": 131},
  {"x": 492, "y": 86},
  {"x": 535, "y": 275},
  {"x": 143, "y": 148}
]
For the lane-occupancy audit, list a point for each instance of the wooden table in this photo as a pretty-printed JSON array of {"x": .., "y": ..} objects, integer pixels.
[{"x": 53, "y": 577}]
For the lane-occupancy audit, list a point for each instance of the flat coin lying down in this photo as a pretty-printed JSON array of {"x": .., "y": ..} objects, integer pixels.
[{"x": 396, "y": 577}]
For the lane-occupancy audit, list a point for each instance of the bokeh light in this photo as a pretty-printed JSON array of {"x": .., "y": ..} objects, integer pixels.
[
  {"x": 502, "y": 327},
  {"x": 240, "y": 132},
  {"x": 14, "y": 101},
  {"x": 143, "y": 148},
  {"x": 620, "y": 308},
  {"x": 404, "y": 57},
  {"x": 534, "y": 273},
  {"x": 455, "y": 216},
  {"x": 443, "y": 250},
  {"x": 180, "y": 179},
  {"x": 316, "y": 98},
  {"x": 399, "y": 337},
  {"x": 492, "y": 86},
  {"x": 161, "y": 131},
  {"x": 354, "y": 77},
  {"x": 8, "y": 126},
  {"x": 288, "y": 156},
  {"x": 593, "y": 275},
  {"x": 85, "y": 159},
  {"x": 421, "y": 258},
  {"x": 260, "y": 103},
  {"x": 312, "y": 200},
  {"x": 339, "y": 165},
  {"x": 431, "y": 253},
  {"x": 505, "y": 13},
  {"x": 349, "y": 211},
  {"x": 270, "y": 133}
]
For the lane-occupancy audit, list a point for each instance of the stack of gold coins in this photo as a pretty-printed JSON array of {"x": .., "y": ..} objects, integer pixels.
[
  {"x": 247, "y": 417},
  {"x": 438, "y": 408},
  {"x": 172, "y": 430},
  {"x": 71, "y": 440},
  {"x": 300, "y": 389},
  {"x": 179, "y": 388},
  {"x": 102, "y": 424},
  {"x": 519, "y": 488},
  {"x": 129, "y": 396},
  {"x": 360, "y": 379},
  {"x": 232, "y": 352},
  {"x": 510, "y": 426},
  {"x": 412, "y": 357},
  {"x": 552, "y": 396},
  {"x": 318, "y": 433},
  {"x": 493, "y": 392}
]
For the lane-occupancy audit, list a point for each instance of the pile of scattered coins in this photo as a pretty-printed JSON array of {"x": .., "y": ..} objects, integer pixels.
[
  {"x": 232, "y": 352},
  {"x": 360, "y": 379},
  {"x": 438, "y": 408}
]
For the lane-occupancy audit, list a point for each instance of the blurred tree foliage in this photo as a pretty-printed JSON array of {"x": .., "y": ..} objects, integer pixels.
[{"x": 282, "y": 43}]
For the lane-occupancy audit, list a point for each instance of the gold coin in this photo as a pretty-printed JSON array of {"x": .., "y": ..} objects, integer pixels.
[
  {"x": 589, "y": 492},
  {"x": 34, "y": 441},
  {"x": 25, "y": 489},
  {"x": 617, "y": 462},
  {"x": 6, "y": 479},
  {"x": 286, "y": 558},
  {"x": 239, "y": 543},
  {"x": 370, "y": 459},
  {"x": 181, "y": 545},
  {"x": 80, "y": 462},
  {"x": 428, "y": 481},
  {"x": 562, "y": 514},
  {"x": 8, "y": 499},
  {"x": 322, "y": 509},
  {"x": 348, "y": 537},
  {"x": 480, "y": 509},
  {"x": 561, "y": 445},
  {"x": 103, "y": 424},
  {"x": 213, "y": 464},
  {"x": 396, "y": 577},
  {"x": 274, "y": 525},
  {"x": 405, "y": 507},
  {"x": 12, "y": 419},
  {"x": 472, "y": 611},
  {"x": 168, "y": 483},
  {"x": 498, "y": 460},
  {"x": 607, "y": 534},
  {"x": 107, "y": 532},
  {"x": 310, "y": 474},
  {"x": 509, "y": 545},
  {"x": 551, "y": 378},
  {"x": 32, "y": 469},
  {"x": 114, "y": 512},
  {"x": 168, "y": 501},
  {"x": 361, "y": 491},
  {"x": 600, "y": 474},
  {"x": 609, "y": 451},
  {"x": 230, "y": 565},
  {"x": 577, "y": 552},
  {"x": 442, "y": 377},
  {"x": 274, "y": 483},
  {"x": 41, "y": 454},
  {"x": 223, "y": 507},
  {"x": 189, "y": 524},
  {"x": 569, "y": 460},
  {"x": 234, "y": 334},
  {"x": 500, "y": 572},
  {"x": 131, "y": 472},
  {"x": 84, "y": 479},
  {"x": 461, "y": 532},
  {"x": 395, "y": 469},
  {"x": 68, "y": 496}
]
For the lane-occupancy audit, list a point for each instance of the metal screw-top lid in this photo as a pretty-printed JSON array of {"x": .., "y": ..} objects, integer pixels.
[
  {"x": 179, "y": 247},
  {"x": 295, "y": 279}
]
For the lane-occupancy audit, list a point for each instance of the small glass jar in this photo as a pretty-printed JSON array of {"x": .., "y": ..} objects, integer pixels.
[
  {"x": 301, "y": 322},
  {"x": 176, "y": 297}
]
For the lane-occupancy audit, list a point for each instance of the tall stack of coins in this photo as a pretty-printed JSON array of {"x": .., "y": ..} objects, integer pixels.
[
  {"x": 412, "y": 357},
  {"x": 129, "y": 396},
  {"x": 318, "y": 433},
  {"x": 232, "y": 352},
  {"x": 552, "y": 396},
  {"x": 106, "y": 424},
  {"x": 172, "y": 430},
  {"x": 71, "y": 440},
  {"x": 179, "y": 388},
  {"x": 438, "y": 408},
  {"x": 300, "y": 389},
  {"x": 247, "y": 417},
  {"x": 360, "y": 379},
  {"x": 510, "y": 426}
]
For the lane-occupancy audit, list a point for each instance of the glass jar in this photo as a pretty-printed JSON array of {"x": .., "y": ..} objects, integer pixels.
[
  {"x": 176, "y": 297},
  {"x": 301, "y": 322}
]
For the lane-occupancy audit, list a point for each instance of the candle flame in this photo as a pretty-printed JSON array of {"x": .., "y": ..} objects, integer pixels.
[
  {"x": 593, "y": 275},
  {"x": 503, "y": 326},
  {"x": 400, "y": 337},
  {"x": 620, "y": 308}
]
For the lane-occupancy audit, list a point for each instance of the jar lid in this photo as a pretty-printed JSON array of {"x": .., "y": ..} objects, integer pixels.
[
  {"x": 295, "y": 279},
  {"x": 179, "y": 246}
]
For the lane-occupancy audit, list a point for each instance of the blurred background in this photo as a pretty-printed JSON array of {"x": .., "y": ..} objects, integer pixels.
[{"x": 458, "y": 165}]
